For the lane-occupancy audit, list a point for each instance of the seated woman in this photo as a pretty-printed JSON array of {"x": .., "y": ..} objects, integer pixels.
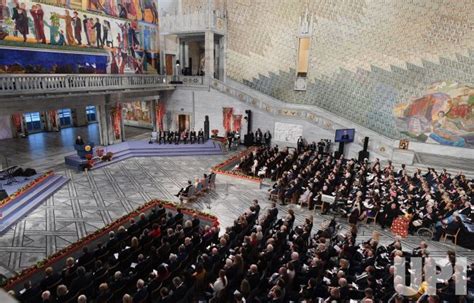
[{"x": 197, "y": 185}]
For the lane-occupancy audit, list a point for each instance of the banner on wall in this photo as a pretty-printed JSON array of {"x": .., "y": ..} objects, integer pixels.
[
  {"x": 227, "y": 113},
  {"x": 117, "y": 121},
  {"x": 52, "y": 123},
  {"x": 160, "y": 114},
  {"x": 17, "y": 120},
  {"x": 237, "y": 123}
]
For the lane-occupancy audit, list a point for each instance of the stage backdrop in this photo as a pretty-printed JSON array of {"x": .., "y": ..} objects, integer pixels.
[
  {"x": 287, "y": 132},
  {"x": 126, "y": 43}
]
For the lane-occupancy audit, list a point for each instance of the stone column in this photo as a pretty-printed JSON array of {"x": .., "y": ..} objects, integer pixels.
[
  {"x": 153, "y": 114},
  {"x": 209, "y": 54},
  {"x": 103, "y": 126}
]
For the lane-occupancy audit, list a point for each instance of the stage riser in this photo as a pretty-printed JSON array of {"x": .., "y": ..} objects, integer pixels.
[
  {"x": 21, "y": 206},
  {"x": 132, "y": 149}
]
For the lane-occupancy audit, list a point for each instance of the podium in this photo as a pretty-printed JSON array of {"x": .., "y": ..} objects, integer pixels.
[{"x": 84, "y": 150}]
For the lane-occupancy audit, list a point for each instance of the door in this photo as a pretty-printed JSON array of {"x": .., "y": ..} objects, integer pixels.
[
  {"x": 182, "y": 123},
  {"x": 169, "y": 64}
]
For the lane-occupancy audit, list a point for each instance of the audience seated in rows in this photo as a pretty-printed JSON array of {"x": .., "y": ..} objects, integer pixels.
[
  {"x": 260, "y": 258},
  {"x": 364, "y": 191}
]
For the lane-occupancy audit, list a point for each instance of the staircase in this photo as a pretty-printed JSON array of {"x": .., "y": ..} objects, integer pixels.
[{"x": 20, "y": 206}]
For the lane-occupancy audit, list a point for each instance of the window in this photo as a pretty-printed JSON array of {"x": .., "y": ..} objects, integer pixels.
[
  {"x": 91, "y": 113},
  {"x": 65, "y": 117},
  {"x": 303, "y": 57},
  {"x": 33, "y": 121}
]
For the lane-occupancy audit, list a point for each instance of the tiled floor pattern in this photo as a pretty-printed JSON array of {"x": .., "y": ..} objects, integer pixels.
[{"x": 91, "y": 200}]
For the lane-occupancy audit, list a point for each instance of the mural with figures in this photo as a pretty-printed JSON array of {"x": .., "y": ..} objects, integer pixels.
[
  {"x": 128, "y": 40},
  {"x": 444, "y": 115},
  {"x": 138, "y": 114}
]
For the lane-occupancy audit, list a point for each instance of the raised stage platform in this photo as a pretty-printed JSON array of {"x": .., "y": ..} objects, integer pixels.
[
  {"x": 25, "y": 194},
  {"x": 141, "y": 148}
]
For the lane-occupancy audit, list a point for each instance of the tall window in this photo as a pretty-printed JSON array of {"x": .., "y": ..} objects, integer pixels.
[
  {"x": 33, "y": 121},
  {"x": 65, "y": 117},
  {"x": 303, "y": 56},
  {"x": 91, "y": 113}
]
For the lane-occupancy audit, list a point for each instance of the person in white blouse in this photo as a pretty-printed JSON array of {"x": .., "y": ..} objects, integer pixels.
[{"x": 220, "y": 283}]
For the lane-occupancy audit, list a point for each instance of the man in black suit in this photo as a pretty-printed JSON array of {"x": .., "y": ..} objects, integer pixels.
[
  {"x": 30, "y": 294},
  {"x": 176, "y": 137},
  {"x": 185, "y": 190},
  {"x": 345, "y": 136},
  {"x": 162, "y": 136},
  {"x": 170, "y": 136},
  {"x": 258, "y": 137},
  {"x": 83, "y": 279},
  {"x": 50, "y": 278},
  {"x": 141, "y": 293},
  {"x": 201, "y": 135},
  {"x": 179, "y": 289},
  {"x": 300, "y": 144},
  {"x": 86, "y": 256},
  {"x": 192, "y": 136},
  {"x": 268, "y": 138}
]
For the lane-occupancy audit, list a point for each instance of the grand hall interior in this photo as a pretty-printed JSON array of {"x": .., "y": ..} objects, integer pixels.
[{"x": 230, "y": 151}]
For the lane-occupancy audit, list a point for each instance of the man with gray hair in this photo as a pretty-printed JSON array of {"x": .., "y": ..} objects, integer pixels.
[{"x": 82, "y": 299}]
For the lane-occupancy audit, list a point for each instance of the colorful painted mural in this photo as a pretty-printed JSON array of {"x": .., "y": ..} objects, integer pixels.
[
  {"x": 444, "y": 115},
  {"x": 131, "y": 42},
  {"x": 138, "y": 114}
]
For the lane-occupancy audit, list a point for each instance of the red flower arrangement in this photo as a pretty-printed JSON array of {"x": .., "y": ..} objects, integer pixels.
[
  {"x": 61, "y": 254},
  {"x": 219, "y": 168},
  {"x": 24, "y": 189}
]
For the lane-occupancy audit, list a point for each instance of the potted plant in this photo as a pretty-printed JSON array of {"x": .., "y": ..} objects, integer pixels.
[{"x": 214, "y": 133}]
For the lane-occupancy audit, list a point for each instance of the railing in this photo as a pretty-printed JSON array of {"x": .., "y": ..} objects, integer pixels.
[
  {"x": 46, "y": 83},
  {"x": 31, "y": 84},
  {"x": 192, "y": 22}
]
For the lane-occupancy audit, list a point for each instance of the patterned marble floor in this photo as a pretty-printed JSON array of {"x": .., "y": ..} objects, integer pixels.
[{"x": 91, "y": 200}]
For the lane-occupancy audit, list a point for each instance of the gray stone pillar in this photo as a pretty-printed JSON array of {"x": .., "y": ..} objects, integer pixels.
[
  {"x": 209, "y": 54},
  {"x": 153, "y": 104}
]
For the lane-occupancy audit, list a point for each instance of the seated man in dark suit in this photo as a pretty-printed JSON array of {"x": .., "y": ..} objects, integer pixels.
[
  {"x": 50, "y": 278},
  {"x": 162, "y": 136},
  {"x": 86, "y": 256},
  {"x": 192, "y": 136},
  {"x": 170, "y": 136},
  {"x": 179, "y": 289},
  {"x": 177, "y": 137},
  {"x": 30, "y": 294},
  {"x": 184, "y": 191},
  {"x": 82, "y": 279},
  {"x": 141, "y": 293},
  {"x": 200, "y": 136}
]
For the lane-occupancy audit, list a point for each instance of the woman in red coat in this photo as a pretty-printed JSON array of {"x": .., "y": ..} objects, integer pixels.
[{"x": 37, "y": 13}]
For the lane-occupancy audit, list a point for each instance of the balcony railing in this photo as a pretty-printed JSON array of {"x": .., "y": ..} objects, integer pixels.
[{"x": 30, "y": 84}]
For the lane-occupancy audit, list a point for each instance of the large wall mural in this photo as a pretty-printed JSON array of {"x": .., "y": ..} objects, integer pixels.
[
  {"x": 126, "y": 31},
  {"x": 444, "y": 115}
]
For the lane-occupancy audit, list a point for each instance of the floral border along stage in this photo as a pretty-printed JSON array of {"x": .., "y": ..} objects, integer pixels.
[
  {"x": 63, "y": 253},
  {"x": 219, "y": 168},
  {"x": 26, "y": 188}
]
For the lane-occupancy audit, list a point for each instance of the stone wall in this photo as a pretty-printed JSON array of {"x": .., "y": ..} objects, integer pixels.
[{"x": 369, "y": 61}]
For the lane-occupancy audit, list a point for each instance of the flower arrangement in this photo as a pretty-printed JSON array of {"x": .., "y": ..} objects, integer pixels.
[
  {"x": 215, "y": 133},
  {"x": 24, "y": 189},
  {"x": 63, "y": 253},
  {"x": 220, "y": 168}
]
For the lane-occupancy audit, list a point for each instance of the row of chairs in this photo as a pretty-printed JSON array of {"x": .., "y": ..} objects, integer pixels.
[{"x": 200, "y": 188}]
